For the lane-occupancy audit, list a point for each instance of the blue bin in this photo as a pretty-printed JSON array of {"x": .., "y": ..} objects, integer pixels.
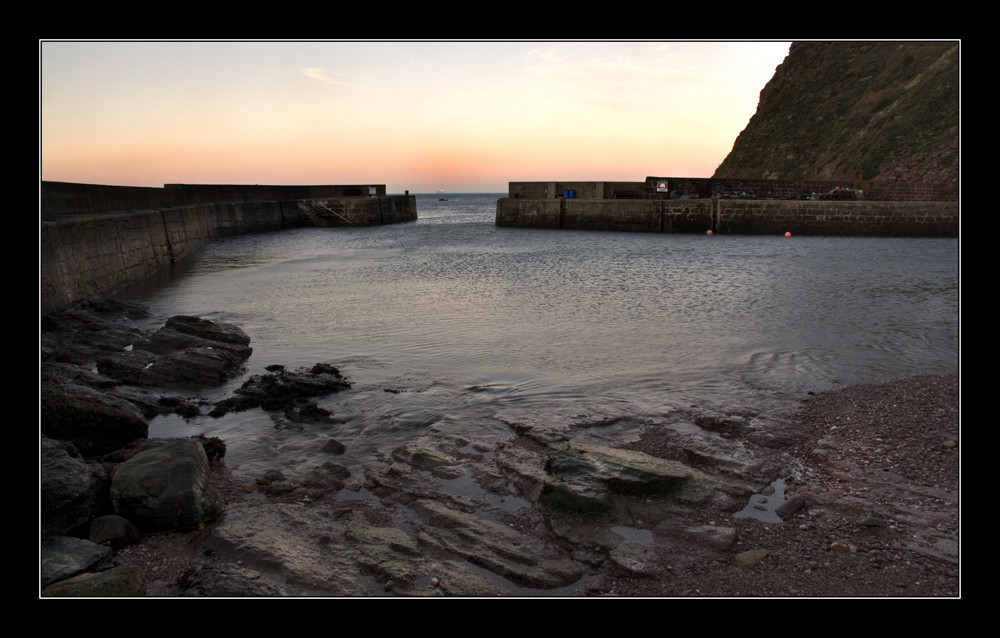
[{"x": 569, "y": 194}]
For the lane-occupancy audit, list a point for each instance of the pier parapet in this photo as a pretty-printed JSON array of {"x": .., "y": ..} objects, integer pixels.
[{"x": 684, "y": 205}]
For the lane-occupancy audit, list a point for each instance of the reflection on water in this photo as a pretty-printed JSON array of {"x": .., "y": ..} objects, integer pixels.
[
  {"x": 473, "y": 327},
  {"x": 763, "y": 507}
]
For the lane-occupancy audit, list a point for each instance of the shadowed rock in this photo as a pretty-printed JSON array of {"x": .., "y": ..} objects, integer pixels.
[
  {"x": 65, "y": 556},
  {"x": 73, "y": 491},
  {"x": 117, "y": 582},
  {"x": 187, "y": 352},
  {"x": 166, "y": 488},
  {"x": 94, "y": 421},
  {"x": 282, "y": 389}
]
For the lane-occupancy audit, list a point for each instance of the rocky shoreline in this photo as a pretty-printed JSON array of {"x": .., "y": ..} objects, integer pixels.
[{"x": 856, "y": 495}]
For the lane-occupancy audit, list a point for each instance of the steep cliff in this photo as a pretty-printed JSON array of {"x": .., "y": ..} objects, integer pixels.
[{"x": 878, "y": 111}]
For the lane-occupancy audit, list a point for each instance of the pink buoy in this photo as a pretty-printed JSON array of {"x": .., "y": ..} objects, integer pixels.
[
  {"x": 709, "y": 233},
  {"x": 788, "y": 234}
]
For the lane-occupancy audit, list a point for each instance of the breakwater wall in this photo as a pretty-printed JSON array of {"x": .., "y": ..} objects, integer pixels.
[
  {"x": 88, "y": 254},
  {"x": 69, "y": 198},
  {"x": 735, "y": 216},
  {"x": 707, "y": 187}
]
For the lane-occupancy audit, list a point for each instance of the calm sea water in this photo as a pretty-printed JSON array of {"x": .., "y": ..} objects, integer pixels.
[{"x": 451, "y": 325}]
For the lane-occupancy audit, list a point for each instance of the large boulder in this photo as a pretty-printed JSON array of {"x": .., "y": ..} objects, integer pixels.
[
  {"x": 166, "y": 488},
  {"x": 94, "y": 421},
  {"x": 64, "y": 557},
  {"x": 187, "y": 352},
  {"x": 73, "y": 491}
]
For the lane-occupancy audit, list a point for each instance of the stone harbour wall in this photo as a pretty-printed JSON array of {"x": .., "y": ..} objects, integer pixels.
[
  {"x": 864, "y": 218},
  {"x": 87, "y": 256},
  {"x": 68, "y": 198},
  {"x": 707, "y": 187},
  {"x": 735, "y": 216}
]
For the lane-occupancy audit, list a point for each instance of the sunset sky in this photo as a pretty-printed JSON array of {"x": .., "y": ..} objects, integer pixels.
[{"x": 422, "y": 116}]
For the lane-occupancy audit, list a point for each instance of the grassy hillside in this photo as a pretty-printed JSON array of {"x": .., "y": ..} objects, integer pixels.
[{"x": 880, "y": 111}]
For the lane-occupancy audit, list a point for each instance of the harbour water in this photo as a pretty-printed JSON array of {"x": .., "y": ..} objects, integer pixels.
[{"x": 450, "y": 324}]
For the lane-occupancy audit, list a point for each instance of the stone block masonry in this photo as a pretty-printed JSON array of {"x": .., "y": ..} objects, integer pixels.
[
  {"x": 735, "y": 216},
  {"x": 707, "y": 187},
  {"x": 93, "y": 254},
  {"x": 873, "y": 219},
  {"x": 689, "y": 205}
]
